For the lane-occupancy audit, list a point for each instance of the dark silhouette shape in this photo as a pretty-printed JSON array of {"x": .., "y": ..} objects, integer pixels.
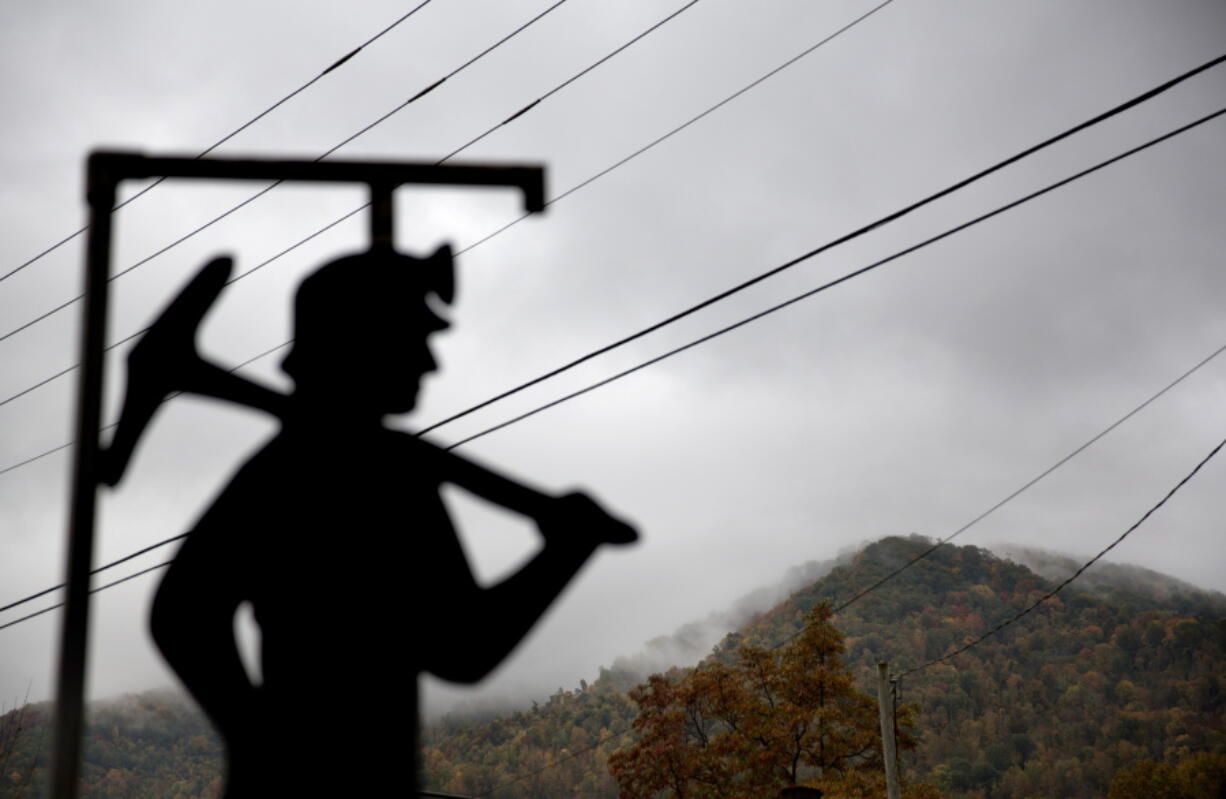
[
  {"x": 336, "y": 534},
  {"x": 800, "y": 792}
]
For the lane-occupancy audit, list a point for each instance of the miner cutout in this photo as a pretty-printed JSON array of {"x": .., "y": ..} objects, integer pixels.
[{"x": 336, "y": 534}]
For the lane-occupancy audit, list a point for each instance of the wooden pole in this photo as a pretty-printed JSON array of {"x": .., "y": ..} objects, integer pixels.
[{"x": 885, "y": 713}]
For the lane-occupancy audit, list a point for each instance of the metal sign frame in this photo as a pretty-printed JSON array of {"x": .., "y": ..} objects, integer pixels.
[{"x": 104, "y": 172}]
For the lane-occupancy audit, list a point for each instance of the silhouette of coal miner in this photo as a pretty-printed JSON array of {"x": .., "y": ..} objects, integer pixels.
[{"x": 336, "y": 534}]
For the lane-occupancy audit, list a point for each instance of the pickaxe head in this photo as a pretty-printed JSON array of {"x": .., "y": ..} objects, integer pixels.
[{"x": 163, "y": 361}]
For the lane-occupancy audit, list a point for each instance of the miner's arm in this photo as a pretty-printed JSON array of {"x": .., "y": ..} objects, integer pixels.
[
  {"x": 572, "y": 525},
  {"x": 547, "y": 510}
]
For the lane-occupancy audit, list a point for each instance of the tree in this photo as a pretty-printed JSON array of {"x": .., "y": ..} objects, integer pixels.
[
  {"x": 1144, "y": 780},
  {"x": 1199, "y": 776},
  {"x": 770, "y": 719},
  {"x": 18, "y": 750}
]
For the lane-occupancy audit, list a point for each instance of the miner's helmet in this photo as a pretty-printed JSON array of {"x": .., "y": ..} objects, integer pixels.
[{"x": 369, "y": 311}]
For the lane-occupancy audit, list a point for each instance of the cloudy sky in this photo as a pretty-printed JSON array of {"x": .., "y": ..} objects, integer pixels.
[{"x": 907, "y": 400}]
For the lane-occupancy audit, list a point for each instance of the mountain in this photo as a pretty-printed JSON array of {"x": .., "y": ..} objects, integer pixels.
[{"x": 1123, "y": 668}]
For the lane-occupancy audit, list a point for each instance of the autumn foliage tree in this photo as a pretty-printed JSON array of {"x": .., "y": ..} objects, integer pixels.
[
  {"x": 1198, "y": 776},
  {"x": 768, "y": 719}
]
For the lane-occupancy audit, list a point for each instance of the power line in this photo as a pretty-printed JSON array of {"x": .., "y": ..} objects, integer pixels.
[
  {"x": 759, "y": 315},
  {"x": 1018, "y": 491},
  {"x": 234, "y": 279},
  {"x": 1028, "y": 484},
  {"x": 1075, "y": 574},
  {"x": 130, "y": 555},
  {"x": 228, "y": 136},
  {"x": 660, "y": 139},
  {"x": 869, "y": 589},
  {"x": 50, "y": 608},
  {"x": 821, "y": 288},
  {"x": 242, "y": 204},
  {"x": 563, "y": 195},
  {"x": 53, "y": 450},
  {"x": 829, "y": 245},
  {"x": 337, "y": 221},
  {"x": 1143, "y": 97},
  {"x": 849, "y": 276},
  {"x": 831, "y": 284},
  {"x": 139, "y": 552},
  {"x": 572, "y": 79},
  {"x": 102, "y": 568},
  {"x": 33, "y": 458},
  {"x": 491, "y": 48}
]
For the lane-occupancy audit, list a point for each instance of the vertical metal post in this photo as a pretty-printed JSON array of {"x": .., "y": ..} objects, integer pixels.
[
  {"x": 381, "y": 216},
  {"x": 70, "y": 688},
  {"x": 885, "y": 714}
]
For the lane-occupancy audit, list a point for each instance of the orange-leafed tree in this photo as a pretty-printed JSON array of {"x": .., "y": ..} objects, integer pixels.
[{"x": 768, "y": 719}]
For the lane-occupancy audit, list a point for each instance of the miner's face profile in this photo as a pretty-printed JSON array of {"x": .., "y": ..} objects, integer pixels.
[
  {"x": 404, "y": 360},
  {"x": 362, "y": 331}
]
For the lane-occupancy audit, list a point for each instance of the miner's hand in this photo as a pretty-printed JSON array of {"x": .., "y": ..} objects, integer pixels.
[{"x": 577, "y": 518}]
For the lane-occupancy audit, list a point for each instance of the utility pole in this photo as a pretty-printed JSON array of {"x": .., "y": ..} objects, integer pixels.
[{"x": 885, "y": 713}]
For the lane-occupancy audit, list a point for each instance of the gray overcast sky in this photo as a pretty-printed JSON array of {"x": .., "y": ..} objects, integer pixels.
[{"x": 907, "y": 400}]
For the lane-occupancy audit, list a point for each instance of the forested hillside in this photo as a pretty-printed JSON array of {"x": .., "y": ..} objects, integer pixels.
[
  {"x": 1092, "y": 682},
  {"x": 153, "y": 745},
  {"x": 1120, "y": 676}
]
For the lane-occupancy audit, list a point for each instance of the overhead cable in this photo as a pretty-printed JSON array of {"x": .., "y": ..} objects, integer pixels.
[
  {"x": 1018, "y": 491},
  {"x": 1030, "y": 608},
  {"x": 752, "y": 318},
  {"x": 242, "y": 204},
  {"x": 130, "y": 555},
  {"x": 139, "y": 333},
  {"x": 559, "y": 197},
  {"x": 343, "y": 59},
  {"x": 572, "y": 79},
  {"x": 50, "y": 608},
  {"x": 831, "y": 284},
  {"x": 759, "y": 278},
  {"x": 53, "y": 450},
  {"x": 874, "y": 586},
  {"x": 666, "y": 136},
  {"x": 1025, "y": 486},
  {"x": 844, "y": 278},
  {"x": 101, "y": 568},
  {"x": 829, "y": 245}
]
